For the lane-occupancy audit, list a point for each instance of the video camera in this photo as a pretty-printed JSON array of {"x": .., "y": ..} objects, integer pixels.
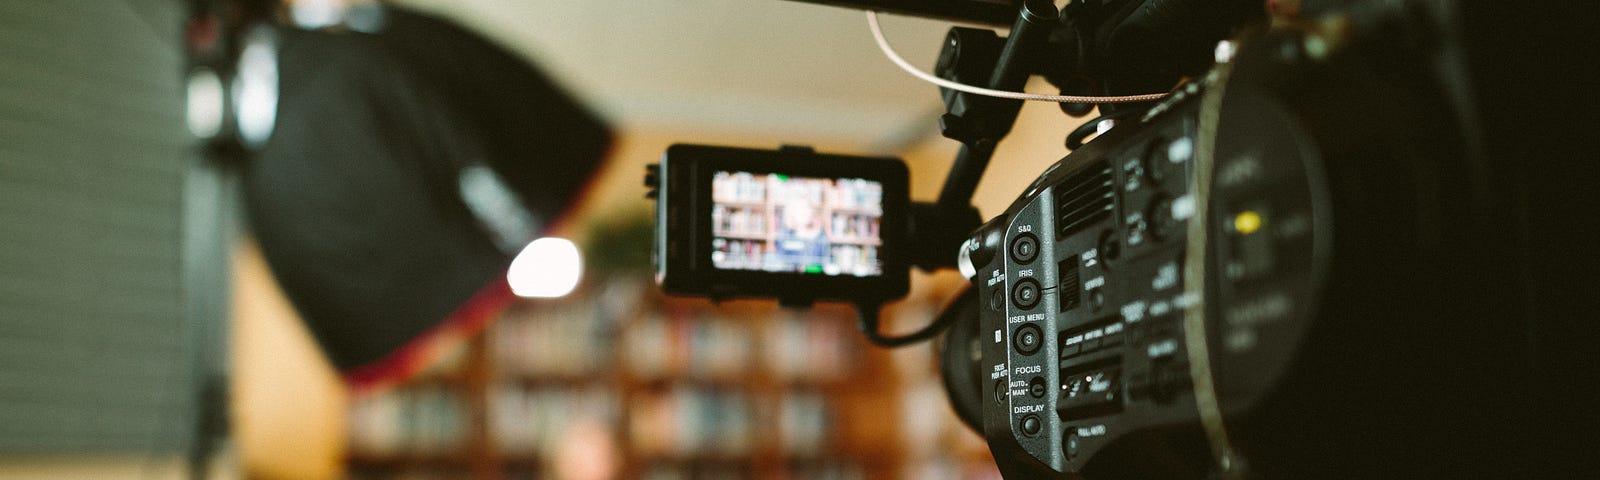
[{"x": 1291, "y": 266}]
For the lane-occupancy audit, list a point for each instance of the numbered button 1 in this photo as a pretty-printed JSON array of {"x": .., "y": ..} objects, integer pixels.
[{"x": 1025, "y": 248}]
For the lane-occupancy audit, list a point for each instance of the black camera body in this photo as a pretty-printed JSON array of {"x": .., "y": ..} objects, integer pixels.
[
  {"x": 789, "y": 223},
  {"x": 1307, "y": 262},
  {"x": 1332, "y": 320},
  {"x": 1081, "y": 318}
]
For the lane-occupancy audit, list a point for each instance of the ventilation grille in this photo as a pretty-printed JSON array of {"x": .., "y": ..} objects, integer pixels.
[{"x": 1084, "y": 199}]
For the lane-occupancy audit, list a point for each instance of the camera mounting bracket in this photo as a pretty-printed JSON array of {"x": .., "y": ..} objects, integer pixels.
[{"x": 979, "y": 123}]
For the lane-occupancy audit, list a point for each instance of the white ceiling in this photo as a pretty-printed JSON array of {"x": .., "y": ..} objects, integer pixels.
[{"x": 768, "y": 69}]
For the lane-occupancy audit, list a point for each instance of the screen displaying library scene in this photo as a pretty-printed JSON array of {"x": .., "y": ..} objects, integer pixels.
[{"x": 774, "y": 222}]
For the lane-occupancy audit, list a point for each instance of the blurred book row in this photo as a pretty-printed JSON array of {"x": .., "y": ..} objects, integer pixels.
[
  {"x": 710, "y": 423},
  {"x": 691, "y": 344},
  {"x": 796, "y": 471},
  {"x": 423, "y": 421},
  {"x": 629, "y": 385},
  {"x": 680, "y": 422},
  {"x": 530, "y": 423}
]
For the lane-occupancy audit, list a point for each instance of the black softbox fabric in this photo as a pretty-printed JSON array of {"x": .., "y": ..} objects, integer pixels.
[{"x": 355, "y": 199}]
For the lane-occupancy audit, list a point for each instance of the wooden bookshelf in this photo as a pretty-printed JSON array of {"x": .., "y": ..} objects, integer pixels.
[{"x": 657, "y": 387}]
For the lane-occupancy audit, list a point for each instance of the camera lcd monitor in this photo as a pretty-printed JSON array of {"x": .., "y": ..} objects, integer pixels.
[{"x": 774, "y": 222}]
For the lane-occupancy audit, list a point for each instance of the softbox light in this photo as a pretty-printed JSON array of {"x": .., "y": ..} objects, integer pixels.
[{"x": 405, "y": 169}]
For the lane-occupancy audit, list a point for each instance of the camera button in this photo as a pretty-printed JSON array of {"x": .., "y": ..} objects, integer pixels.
[
  {"x": 1028, "y": 339},
  {"x": 1108, "y": 248},
  {"x": 1026, "y": 294},
  {"x": 1161, "y": 222},
  {"x": 1031, "y": 425},
  {"x": 1025, "y": 248}
]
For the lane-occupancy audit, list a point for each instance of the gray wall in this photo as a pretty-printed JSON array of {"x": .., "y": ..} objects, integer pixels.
[{"x": 100, "y": 335}]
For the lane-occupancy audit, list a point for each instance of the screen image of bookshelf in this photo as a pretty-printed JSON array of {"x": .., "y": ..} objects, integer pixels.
[
  {"x": 620, "y": 382},
  {"x": 783, "y": 223}
]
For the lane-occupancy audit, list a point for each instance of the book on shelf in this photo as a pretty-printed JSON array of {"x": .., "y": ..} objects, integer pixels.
[
  {"x": 527, "y": 423},
  {"x": 827, "y": 470},
  {"x": 697, "y": 471},
  {"x": 946, "y": 468},
  {"x": 805, "y": 422},
  {"x": 735, "y": 471},
  {"x": 691, "y": 423},
  {"x": 424, "y": 421},
  {"x": 688, "y": 344},
  {"x": 554, "y": 339},
  {"x": 809, "y": 346},
  {"x": 429, "y": 472},
  {"x": 741, "y": 187}
]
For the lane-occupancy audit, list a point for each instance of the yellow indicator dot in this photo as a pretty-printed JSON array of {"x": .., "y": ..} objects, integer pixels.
[{"x": 1247, "y": 222}]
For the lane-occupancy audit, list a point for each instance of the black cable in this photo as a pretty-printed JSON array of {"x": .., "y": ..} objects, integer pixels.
[{"x": 867, "y": 321}]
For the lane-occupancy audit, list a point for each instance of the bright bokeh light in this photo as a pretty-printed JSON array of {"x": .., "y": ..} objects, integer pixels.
[
  {"x": 547, "y": 268},
  {"x": 206, "y": 104},
  {"x": 314, "y": 14},
  {"x": 255, "y": 89}
]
